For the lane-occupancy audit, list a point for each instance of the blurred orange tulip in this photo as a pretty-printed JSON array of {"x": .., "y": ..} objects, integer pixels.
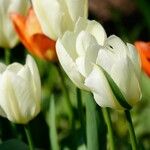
[
  {"x": 144, "y": 51},
  {"x": 31, "y": 35}
]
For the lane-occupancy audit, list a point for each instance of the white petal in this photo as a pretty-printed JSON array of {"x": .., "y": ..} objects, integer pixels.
[
  {"x": 124, "y": 76},
  {"x": 99, "y": 86},
  {"x": 85, "y": 63},
  {"x": 50, "y": 20},
  {"x": 8, "y": 36},
  {"x": 36, "y": 82},
  {"x": 90, "y": 57},
  {"x": 17, "y": 100},
  {"x": 83, "y": 41},
  {"x": 80, "y": 61},
  {"x": 106, "y": 58},
  {"x": 97, "y": 31},
  {"x": 55, "y": 21},
  {"x": 77, "y": 8},
  {"x": 69, "y": 43},
  {"x": 87, "y": 49},
  {"x": 8, "y": 101},
  {"x": 15, "y": 67},
  {"x": 92, "y": 27},
  {"x": 81, "y": 25},
  {"x": 116, "y": 45},
  {"x": 69, "y": 65},
  {"x": 134, "y": 58},
  {"x": 2, "y": 67},
  {"x": 28, "y": 105}
]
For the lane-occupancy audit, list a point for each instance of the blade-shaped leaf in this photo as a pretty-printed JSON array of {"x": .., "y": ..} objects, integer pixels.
[
  {"x": 52, "y": 123},
  {"x": 13, "y": 144},
  {"x": 91, "y": 125}
]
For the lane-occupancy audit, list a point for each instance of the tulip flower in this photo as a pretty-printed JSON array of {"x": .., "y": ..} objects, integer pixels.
[
  {"x": 77, "y": 50},
  {"x": 58, "y": 16},
  {"x": 20, "y": 91},
  {"x": 8, "y": 37},
  {"x": 144, "y": 51},
  {"x": 114, "y": 80},
  {"x": 31, "y": 35}
]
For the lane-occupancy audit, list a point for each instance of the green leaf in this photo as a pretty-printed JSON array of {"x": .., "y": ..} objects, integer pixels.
[
  {"x": 144, "y": 6},
  {"x": 13, "y": 144},
  {"x": 118, "y": 94},
  {"x": 52, "y": 124},
  {"x": 91, "y": 125}
]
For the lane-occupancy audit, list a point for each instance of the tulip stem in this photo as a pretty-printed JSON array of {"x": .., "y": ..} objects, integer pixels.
[
  {"x": 131, "y": 130},
  {"x": 80, "y": 109},
  {"x": 7, "y": 56},
  {"x": 60, "y": 72},
  {"x": 108, "y": 122},
  {"x": 29, "y": 139}
]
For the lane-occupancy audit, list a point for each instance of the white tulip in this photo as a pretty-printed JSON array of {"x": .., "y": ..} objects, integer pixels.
[
  {"x": 58, "y": 16},
  {"x": 8, "y": 36},
  {"x": 77, "y": 50},
  {"x": 20, "y": 91},
  {"x": 122, "y": 63}
]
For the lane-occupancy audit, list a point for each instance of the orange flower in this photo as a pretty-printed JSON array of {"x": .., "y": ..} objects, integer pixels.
[
  {"x": 144, "y": 51},
  {"x": 31, "y": 35}
]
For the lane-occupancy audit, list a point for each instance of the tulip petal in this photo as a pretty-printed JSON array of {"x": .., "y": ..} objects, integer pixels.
[
  {"x": 14, "y": 96},
  {"x": 8, "y": 37},
  {"x": 87, "y": 49},
  {"x": 8, "y": 100},
  {"x": 92, "y": 27},
  {"x": 2, "y": 67},
  {"x": 44, "y": 47},
  {"x": 134, "y": 58},
  {"x": 25, "y": 98},
  {"x": 51, "y": 22},
  {"x": 106, "y": 59},
  {"x": 77, "y": 8},
  {"x": 100, "y": 88},
  {"x": 124, "y": 76},
  {"x": 116, "y": 45},
  {"x": 67, "y": 59},
  {"x": 15, "y": 67},
  {"x": 83, "y": 41},
  {"x": 35, "y": 76}
]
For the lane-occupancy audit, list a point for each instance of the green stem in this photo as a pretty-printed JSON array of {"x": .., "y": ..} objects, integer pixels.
[
  {"x": 80, "y": 109},
  {"x": 60, "y": 72},
  {"x": 131, "y": 130},
  {"x": 28, "y": 135},
  {"x": 7, "y": 56},
  {"x": 107, "y": 118}
]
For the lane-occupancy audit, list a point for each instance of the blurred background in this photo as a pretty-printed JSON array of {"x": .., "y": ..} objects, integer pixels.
[{"x": 129, "y": 20}]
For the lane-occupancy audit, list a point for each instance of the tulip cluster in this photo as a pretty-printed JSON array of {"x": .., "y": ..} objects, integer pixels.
[
  {"x": 59, "y": 30},
  {"x": 91, "y": 60},
  {"x": 106, "y": 66}
]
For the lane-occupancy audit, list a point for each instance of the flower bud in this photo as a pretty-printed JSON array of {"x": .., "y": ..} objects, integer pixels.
[{"x": 20, "y": 91}]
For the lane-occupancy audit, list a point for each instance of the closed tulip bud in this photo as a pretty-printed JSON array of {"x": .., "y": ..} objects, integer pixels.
[
  {"x": 114, "y": 80},
  {"x": 78, "y": 50},
  {"x": 58, "y": 16},
  {"x": 20, "y": 91},
  {"x": 8, "y": 37}
]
